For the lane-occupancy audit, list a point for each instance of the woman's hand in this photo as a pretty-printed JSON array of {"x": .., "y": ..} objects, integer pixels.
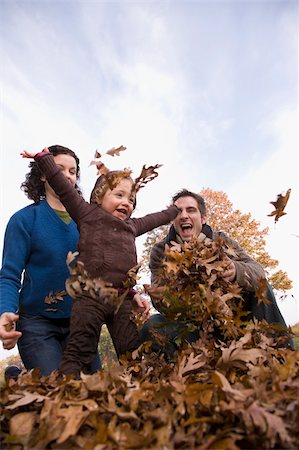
[{"x": 8, "y": 334}]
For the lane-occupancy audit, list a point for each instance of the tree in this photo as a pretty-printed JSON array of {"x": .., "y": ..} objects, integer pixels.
[{"x": 237, "y": 225}]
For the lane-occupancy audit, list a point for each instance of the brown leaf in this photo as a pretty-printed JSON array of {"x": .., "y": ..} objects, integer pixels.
[
  {"x": 238, "y": 356},
  {"x": 268, "y": 423},
  {"x": 261, "y": 292},
  {"x": 280, "y": 205},
  {"x": 22, "y": 424},
  {"x": 190, "y": 363},
  {"x": 50, "y": 298},
  {"x": 116, "y": 151},
  {"x": 26, "y": 399},
  {"x": 147, "y": 174},
  {"x": 101, "y": 168},
  {"x": 74, "y": 416}
]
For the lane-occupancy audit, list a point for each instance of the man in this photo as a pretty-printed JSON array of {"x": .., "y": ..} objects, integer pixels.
[{"x": 242, "y": 269}]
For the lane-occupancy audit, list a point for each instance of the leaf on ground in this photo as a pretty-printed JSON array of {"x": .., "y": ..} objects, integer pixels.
[
  {"x": 26, "y": 399},
  {"x": 74, "y": 416},
  {"x": 22, "y": 423}
]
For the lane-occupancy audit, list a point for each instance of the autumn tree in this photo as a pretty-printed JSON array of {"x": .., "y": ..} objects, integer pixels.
[{"x": 237, "y": 225}]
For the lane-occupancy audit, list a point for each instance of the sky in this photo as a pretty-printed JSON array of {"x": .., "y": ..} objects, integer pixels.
[{"x": 208, "y": 88}]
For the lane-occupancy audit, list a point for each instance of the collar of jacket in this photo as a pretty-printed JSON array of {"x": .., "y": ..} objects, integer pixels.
[{"x": 172, "y": 236}]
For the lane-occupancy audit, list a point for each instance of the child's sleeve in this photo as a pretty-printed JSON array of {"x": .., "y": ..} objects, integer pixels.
[
  {"x": 154, "y": 220},
  {"x": 69, "y": 196}
]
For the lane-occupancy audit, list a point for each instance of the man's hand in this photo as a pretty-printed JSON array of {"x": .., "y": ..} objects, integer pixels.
[
  {"x": 8, "y": 334},
  {"x": 230, "y": 272},
  {"x": 142, "y": 305}
]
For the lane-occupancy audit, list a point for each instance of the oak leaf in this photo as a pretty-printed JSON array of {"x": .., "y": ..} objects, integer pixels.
[
  {"x": 280, "y": 205},
  {"x": 261, "y": 292},
  {"x": 190, "y": 363},
  {"x": 21, "y": 425},
  {"x": 147, "y": 174}
]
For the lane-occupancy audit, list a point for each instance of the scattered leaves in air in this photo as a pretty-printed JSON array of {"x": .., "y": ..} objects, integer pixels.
[
  {"x": 113, "y": 178},
  {"x": 236, "y": 387},
  {"x": 51, "y": 299},
  {"x": 57, "y": 297},
  {"x": 101, "y": 168},
  {"x": 280, "y": 205}
]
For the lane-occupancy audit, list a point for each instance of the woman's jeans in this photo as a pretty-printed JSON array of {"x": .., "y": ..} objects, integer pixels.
[{"x": 43, "y": 342}]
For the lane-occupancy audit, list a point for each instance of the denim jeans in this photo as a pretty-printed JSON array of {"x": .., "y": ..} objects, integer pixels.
[{"x": 43, "y": 342}]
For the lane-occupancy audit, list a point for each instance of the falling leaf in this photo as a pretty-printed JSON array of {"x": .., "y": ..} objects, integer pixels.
[
  {"x": 280, "y": 205},
  {"x": 102, "y": 169},
  {"x": 261, "y": 292},
  {"x": 58, "y": 296},
  {"x": 115, "y": 151},
  {"x": 147, "y": 174}
]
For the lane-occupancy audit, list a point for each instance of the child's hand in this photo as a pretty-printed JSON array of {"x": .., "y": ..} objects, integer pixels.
[
  {"x": 141, "y": 305},
  {"x": 25, "y": 154}
]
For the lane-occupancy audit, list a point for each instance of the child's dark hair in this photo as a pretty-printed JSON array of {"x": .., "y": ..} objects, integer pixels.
[
  {"x": 33, "y": 186},
  {"x": 199, "y": 199}
]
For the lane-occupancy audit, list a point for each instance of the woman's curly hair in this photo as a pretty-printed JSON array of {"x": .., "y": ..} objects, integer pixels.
[{"x": 34, "y": 187}]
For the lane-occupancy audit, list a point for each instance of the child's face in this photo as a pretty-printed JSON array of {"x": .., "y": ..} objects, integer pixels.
[{"x": 119, "y": 202}]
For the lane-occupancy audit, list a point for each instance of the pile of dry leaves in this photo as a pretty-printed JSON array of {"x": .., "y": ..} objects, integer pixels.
[{"x": 238, "y": 391}]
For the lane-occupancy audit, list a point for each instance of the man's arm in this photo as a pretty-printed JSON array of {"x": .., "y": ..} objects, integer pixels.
[
  {"x": 156, "y": 260},
  {"x": 248, "y": 271}
]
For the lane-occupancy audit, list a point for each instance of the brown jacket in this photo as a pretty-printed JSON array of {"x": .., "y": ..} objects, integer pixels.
[{"x": 107, "y": 244}]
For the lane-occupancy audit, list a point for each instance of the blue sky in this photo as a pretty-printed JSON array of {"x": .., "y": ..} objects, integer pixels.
[{"x": 209, "y": 89}]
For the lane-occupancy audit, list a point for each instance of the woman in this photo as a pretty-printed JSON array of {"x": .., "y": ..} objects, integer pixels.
[{"x": 32, "y": 279}]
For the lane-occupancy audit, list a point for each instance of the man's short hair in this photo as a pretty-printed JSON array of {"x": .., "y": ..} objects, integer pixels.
[{"x": 199, "y": 199}]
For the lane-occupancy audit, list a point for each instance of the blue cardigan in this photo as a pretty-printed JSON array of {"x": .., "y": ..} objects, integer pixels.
[{"x": 36, "y": 244}]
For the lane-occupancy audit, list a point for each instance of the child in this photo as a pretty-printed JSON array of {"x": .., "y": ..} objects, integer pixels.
[{"x": 107, "y": 252}]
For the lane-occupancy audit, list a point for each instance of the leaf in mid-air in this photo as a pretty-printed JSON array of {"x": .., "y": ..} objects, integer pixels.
[
  {"x": 115, "y": 151},
  {"x": 102, "y": 169},
  {"x": 261, "y": 292},
  {"x": 147, "y": 174},
  {"x": 280, "y": 205}
]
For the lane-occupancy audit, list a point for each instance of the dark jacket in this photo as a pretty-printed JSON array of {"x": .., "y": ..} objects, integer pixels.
[{"x": 107, "y": 244}]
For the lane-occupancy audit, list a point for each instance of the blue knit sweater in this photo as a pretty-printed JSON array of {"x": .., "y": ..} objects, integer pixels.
[{"x": 36, "y": 244}]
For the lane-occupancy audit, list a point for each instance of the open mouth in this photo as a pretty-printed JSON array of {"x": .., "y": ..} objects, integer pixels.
[
  {"x": 122, "y": 211},
  {"x": 186, "y": 226}
]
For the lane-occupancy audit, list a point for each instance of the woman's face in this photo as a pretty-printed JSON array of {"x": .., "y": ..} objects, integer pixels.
[
  {"x": 120, "y": 201},
  {"x": 68, "y": 167}
]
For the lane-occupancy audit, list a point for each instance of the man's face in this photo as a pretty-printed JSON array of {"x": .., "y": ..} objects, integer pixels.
[{"x": 188, "y": 222}]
